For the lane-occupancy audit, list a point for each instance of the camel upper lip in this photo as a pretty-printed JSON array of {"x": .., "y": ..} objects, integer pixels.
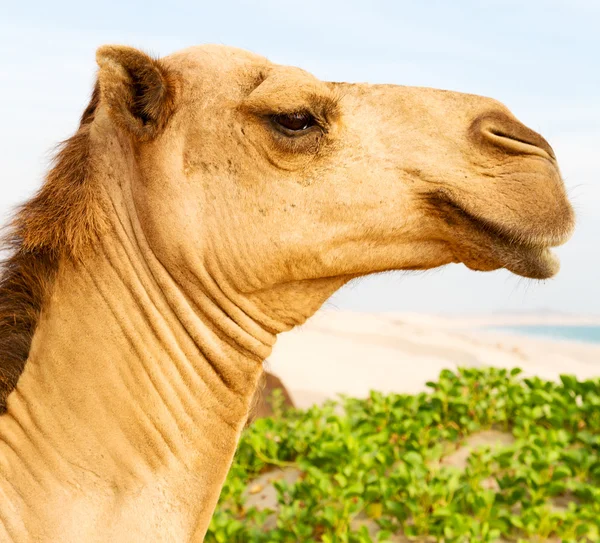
[{"x": 450, "y": 207}]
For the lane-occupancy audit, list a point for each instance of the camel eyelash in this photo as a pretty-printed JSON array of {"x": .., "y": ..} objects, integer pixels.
[{"x": 307, "y": 142}]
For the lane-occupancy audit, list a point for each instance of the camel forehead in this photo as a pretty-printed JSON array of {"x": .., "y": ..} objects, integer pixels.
[
  {"x": 219, "y": 58},
  {"x": 232, "y": 63}
]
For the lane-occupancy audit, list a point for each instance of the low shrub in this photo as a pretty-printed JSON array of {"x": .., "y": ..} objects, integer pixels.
[{"x": 371, "y": 468}]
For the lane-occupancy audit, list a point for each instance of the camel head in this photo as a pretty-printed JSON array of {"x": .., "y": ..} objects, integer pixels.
[{"x": 268, "y": 177}]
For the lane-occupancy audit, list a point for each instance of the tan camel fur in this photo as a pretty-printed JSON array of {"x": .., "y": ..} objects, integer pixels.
[{"x": 209, "y": 201}]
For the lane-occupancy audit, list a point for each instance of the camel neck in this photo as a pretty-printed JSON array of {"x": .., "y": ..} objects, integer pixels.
[{"x": 131, "y": 404}]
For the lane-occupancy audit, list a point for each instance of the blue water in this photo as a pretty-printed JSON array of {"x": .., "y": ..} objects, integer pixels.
[{"x": 588, "y": 333}]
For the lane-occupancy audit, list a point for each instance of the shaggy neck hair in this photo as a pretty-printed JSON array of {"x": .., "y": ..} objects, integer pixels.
[{"x": 57, "y": 223}]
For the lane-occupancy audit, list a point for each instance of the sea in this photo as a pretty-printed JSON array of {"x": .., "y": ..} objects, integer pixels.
[{"x": 585, "y": 333}]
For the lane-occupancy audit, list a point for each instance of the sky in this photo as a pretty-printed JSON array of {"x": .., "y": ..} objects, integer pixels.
[{"x": 540, "y": 58}]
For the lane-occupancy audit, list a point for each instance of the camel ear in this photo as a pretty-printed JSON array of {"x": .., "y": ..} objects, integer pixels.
[{"x": 138, "y": 90}]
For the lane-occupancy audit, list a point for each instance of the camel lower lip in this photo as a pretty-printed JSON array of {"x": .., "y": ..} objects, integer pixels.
[
  {"x": 529, "y": 262},
  {"x": 533, "y": 263}
]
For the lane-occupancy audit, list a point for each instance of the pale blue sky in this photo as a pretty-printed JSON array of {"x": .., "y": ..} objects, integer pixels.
[{"x": 541, "y": 58}]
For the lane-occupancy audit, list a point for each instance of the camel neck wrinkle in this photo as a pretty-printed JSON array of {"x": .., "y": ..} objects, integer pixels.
[{"x": 131, "y": 392}]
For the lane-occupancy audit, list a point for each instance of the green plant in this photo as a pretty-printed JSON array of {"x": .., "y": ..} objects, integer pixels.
[{"x": 381, "y": 459}]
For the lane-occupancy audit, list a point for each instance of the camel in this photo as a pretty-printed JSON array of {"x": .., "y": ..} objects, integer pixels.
[{"x": 208, "y": 201}]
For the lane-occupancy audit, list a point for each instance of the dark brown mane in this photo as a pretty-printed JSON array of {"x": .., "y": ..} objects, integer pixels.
[{"x": 58, "y": 222}]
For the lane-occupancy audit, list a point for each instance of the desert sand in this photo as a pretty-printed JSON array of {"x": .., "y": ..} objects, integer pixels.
[{"x": 351, "y": 353}]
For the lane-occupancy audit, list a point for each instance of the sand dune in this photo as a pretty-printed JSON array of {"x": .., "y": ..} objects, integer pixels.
[{"x": 352, "y": 353}]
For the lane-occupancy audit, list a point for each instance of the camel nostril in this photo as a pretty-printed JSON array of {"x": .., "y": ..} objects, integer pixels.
[
  {"x": 508, "y": 135},
  {"x": 520, "y": 143}
]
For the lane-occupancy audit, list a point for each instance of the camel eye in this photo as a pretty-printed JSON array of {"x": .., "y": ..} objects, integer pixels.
[{"x": 294, "y": 123}]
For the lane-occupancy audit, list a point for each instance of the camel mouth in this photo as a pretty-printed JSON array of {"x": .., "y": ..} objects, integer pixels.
[{"x": 482, "y": 245}]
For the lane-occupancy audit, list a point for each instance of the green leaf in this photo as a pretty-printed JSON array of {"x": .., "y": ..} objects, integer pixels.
[{"x": 569, "y": 382}]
